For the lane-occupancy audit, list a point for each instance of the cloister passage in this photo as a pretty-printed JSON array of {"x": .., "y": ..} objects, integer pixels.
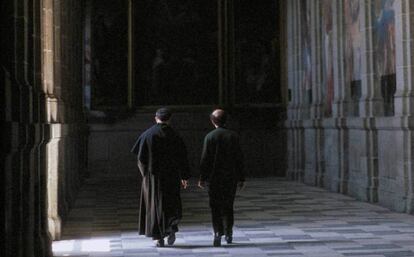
[
  {"x": 274, "y": 217},
  {"x": 321, "y": 93}
]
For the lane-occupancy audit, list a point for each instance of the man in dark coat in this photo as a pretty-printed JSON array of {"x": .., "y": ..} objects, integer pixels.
[
  {"x": 222, "y": 168},
  {"x": 162, "y": 161}
]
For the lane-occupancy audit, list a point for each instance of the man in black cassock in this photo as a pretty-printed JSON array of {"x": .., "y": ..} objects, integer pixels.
[
  {"x": 222, "y": 168},
  {"x": 162, "y": 161}
]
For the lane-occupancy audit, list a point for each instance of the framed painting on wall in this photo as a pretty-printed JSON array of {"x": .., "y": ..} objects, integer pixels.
[
  {"x": 175, "y": 52},
  {"x": 256, "y": 49},
  {"x": 107, "y": 54}
]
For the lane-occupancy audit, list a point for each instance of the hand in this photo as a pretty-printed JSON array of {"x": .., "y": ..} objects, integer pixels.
[
  {"x": 241, "y": 185},
  {"x": 201, "y": 184},
  {"x": 184, "y": 183}
]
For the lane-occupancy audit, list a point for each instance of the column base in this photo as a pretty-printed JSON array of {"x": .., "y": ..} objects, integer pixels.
[{"x": 55, "y": 227}]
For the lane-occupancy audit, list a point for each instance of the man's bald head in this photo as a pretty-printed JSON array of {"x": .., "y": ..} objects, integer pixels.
[{"x": 218, "y": 117}]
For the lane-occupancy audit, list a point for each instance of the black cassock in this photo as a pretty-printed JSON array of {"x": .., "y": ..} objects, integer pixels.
[
  {"x": 222, "y": 167},
  {"x": 162, "y": 161}
]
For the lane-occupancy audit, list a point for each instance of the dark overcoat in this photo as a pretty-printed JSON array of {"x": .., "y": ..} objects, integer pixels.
[
  {"x": 222, "y": 162},
  {"x": 163, "y": 163}
]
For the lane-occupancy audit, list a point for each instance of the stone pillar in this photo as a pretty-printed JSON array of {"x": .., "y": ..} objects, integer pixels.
[
  {"x": 404, "y": 96},
  {"x": 290, "y": 59},
  {"x": 52, "y": 151},
  {"x": 11, "y": 166},
  {"x": 4, "y": 78},
  {"x": 317, "y": 112},
  {"x": 282, "y": 51},
  {"x": 48, "y": 47},
  {"x": 317, "y": 81},
  {"x": 341, "y": 89},
  {"x": 41, "y": 238},
  {"x": 29, "y": 174},
  {"x": 290, "y": 78},
  {"x": 300, "y": 69},
  {"x": 371, "y": 103},
  {"x": 296, "y": 96},
  {"x": 303, "y": 107},
  {"x": 62, "y": 83},
  {"x": 42, "y": 177},
  {"x": 291, "y": 91},
  {"x": 342, "y": 96}
]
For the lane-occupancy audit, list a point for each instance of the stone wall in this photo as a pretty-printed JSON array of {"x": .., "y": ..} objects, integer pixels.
[
  {"x": 261, "y": 132},
  {"x": 43, "y": 141},
  {"x": 350, "y": 114}
]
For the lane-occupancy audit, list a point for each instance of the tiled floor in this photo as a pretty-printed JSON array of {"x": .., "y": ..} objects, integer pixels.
[{"x": 273, "y": 218}]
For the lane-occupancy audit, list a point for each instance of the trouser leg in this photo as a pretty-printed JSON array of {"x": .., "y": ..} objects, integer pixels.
[
  {"x": 215, "y": 195},
  {"x": 156, "y": 233},
  {"x": 217, "y": 220},
  {"x": 228, "y": 209},
  {"x": 221, "y": 203},
  {"x": 228, "y": 220}
]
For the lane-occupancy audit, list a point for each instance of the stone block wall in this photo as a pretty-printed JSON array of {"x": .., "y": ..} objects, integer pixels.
[
  {"x": 44, "y": 135},
  {"x": 350, "y": 114}
]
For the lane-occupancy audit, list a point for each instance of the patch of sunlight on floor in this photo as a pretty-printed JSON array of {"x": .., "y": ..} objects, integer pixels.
[
  {"x": 83, "y": 246},
  {"x": 96, "y": 245},
  {"x": 63, "y": 246}
]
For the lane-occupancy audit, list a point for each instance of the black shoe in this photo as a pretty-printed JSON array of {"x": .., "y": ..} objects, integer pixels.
[
  {"x": 160, "y": 243},
  {"x": 229, "y": 239},
  {"x": 171, "y": 239},
  {"x": 217, "y": 241}
]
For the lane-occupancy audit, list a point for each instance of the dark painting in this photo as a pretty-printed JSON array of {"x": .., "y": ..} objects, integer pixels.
[
  {"x": 353, "y": 40},
  {"x": 109, "y": 54},
  {"x": 256, "y": 25},
  {"x": 384, "y": 42},
  {"x": 175, "y": 52}
]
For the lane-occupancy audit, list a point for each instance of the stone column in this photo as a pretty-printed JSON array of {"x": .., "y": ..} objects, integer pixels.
[
  {"x": 19, "y": 196},
  {"x": 293, "y": 107},
  {"x": 317, "y": 112},
  {"x": 49, "y": 81},
  {"x": 290, "y": 78},
  {"x": 53, "y": 158},
  {"x": 317, "y": 82},
  {"x": 300, "y": 69},
  {"x": 5, "y": 79},
  {"x": 282, "y": 50},
  {"x": 290, "y": 59},
  {"x": 27, "y": 98},
  {"x": 371, "y": 103},
  {"x": 62, "y": 68},
  {"x": 342, "y": 91},
  {"x": 404, "y": 96},
  {"x": 298, "y": 96},
  {"x": 11, "y": 166}
]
